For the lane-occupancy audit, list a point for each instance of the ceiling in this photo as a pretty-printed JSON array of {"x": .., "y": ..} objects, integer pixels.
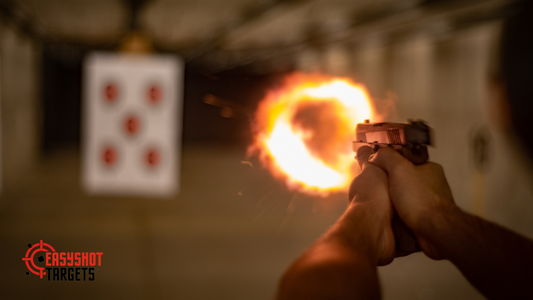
[
  {"x": 195, "y": 28},
  {"x": 182, "y": 23}
]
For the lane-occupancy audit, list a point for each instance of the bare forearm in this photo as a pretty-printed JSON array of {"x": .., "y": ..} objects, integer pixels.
[
  {"x": 330, "y": 271},
  {"x": 340, "y": 265},
  {"x": 498, "y": 262}
]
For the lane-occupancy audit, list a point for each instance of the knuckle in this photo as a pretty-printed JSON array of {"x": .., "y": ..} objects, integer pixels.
[
  {"x": 363, "y": 150},
  {"x": 386, "y": 151},
  {"x": 394, "y": 160},
  {"x": 402, "y": 166}
]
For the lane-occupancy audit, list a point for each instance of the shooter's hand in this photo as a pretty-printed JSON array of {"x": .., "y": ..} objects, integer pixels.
[
  {"x": 370, "y": 190},
  {"x": 420, "y": 195}
]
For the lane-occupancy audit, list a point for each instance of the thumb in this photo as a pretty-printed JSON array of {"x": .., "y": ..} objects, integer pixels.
[
  {"x": 362, "y": 156},
  {"x": 389, "y": 160}
]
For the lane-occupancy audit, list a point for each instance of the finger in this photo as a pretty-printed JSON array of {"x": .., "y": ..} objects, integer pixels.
[
  {"x": 362, "y": 155},
  {"x": 389, "y": 160}
]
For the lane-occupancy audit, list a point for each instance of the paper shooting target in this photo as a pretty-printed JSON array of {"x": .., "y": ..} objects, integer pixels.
[{"x": 130, "y": 100}]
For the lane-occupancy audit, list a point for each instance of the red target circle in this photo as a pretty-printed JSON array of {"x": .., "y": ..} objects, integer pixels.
[
  {"x": 111, "y": 92},
  {"x": 30, "y": 254},
  {"x": 152, "y": 158},
  {"x": 132, "y": 125},
  {"x": 109, "y": 156},
  {"x": 155, "y": 94}
]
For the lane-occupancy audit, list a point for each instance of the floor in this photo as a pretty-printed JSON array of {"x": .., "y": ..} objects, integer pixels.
[{"x": 229, "y": 234}]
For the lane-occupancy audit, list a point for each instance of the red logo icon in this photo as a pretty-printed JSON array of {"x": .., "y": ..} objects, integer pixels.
[{"x": 30, "y": 263}]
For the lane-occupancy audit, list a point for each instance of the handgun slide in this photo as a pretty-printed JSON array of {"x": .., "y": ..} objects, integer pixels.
[{"x": 410, "y": 139}]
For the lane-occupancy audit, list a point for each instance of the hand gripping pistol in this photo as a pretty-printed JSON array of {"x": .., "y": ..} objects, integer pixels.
[{"x": 411, "y": 140}]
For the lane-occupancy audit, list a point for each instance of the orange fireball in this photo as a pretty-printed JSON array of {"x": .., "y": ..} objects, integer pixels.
[{"x": 304, "y": 131}]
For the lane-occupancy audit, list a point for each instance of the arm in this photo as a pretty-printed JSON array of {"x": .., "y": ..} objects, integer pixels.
[
  {"x": 498, "y": 262},
  {"x": 342, "y": 263}
]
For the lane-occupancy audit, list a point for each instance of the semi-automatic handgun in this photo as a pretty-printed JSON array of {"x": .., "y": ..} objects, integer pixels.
[{"x": 411, "y": 140}]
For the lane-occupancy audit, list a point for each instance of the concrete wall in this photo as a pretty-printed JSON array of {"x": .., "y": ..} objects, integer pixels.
[{"x": 19, "y": 92}]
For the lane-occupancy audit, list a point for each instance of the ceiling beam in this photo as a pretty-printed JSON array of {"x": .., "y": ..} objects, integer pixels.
[
  {"x": 462, "y": 13},
  {"x": 247, "y": 18}
]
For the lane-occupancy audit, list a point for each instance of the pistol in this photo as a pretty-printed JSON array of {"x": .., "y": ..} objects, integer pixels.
[{"x": 411, "y": 140}]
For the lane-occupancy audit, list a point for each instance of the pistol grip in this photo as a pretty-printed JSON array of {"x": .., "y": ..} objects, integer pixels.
[{"x": 405, "y": 239}]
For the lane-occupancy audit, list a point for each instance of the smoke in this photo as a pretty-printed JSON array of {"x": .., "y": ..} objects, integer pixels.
[{"x": 384, "y": 109}]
